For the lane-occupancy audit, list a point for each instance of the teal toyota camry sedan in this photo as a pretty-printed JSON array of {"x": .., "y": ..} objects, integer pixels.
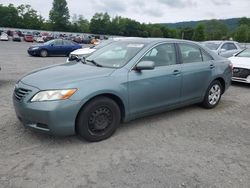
[{"x": 118, "y": 83}]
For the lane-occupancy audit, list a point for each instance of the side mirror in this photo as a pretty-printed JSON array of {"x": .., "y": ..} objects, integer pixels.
[
  {"x": 51, "y": 44},
  {"x": 145, "y": 65}
]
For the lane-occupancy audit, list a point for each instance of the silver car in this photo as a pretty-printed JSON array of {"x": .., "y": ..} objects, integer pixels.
[
  {"x": 125, "y": 80},
  {"x": 223, "y": 48}
]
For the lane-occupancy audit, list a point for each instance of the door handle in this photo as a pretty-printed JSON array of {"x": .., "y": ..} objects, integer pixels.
[
  {"x": 176, "y": 72},
  {"x": 212, "y": 66}
]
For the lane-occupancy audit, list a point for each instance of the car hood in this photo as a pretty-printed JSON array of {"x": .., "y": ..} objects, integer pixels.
[
  {"x": 64, "y": 75},
  {"x": 83, "y": 51},
  {"x": 34, "y": 46},
  {"x": 241, "y": 62}
]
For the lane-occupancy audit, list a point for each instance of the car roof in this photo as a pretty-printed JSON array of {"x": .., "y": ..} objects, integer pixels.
[
  {"x": 220, "y": 41},
  {"x": 155, "y": 40}
]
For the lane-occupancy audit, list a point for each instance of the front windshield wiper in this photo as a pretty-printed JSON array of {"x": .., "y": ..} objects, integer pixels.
[{"x": 94, "y": 62}]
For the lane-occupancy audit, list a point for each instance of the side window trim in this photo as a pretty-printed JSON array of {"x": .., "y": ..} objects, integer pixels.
[{"x": 204, "y": 52}]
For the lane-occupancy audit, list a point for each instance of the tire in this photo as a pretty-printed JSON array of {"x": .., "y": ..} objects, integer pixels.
[
  {"x": 213, "y": 95},
  {"x": 44, "y": 53},
  {"x": 98, "y": 120}
]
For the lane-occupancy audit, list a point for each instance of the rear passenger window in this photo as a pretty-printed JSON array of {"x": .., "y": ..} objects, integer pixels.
[
  {"x": 66, "y": 42},
  {"x": 162, "y": 55},
  {"x": 190, "y": 53},
  {"x": 206, "y": 57}
]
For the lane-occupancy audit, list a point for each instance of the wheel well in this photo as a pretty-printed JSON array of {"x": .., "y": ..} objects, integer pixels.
[
  {"x": 222, "y": 81},
  {"x": 118, "y": 101},
  {"x": 111, "y": 96}
]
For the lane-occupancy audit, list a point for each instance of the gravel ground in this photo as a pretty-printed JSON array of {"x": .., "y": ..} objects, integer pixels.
[{"x": 189, "y": 147}]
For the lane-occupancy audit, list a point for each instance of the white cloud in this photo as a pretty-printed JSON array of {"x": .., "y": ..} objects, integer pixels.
[{"x": 154, "y": 11}]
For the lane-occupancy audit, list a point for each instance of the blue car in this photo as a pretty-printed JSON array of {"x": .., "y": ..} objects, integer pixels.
[
  {"x": 122, "y": 81},
  {"x": 56, "y": 47}
]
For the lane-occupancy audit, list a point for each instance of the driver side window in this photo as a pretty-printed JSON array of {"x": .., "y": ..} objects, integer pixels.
[
  {"x": 162, "y": 55},
  {"x": 229, "y": 46}
]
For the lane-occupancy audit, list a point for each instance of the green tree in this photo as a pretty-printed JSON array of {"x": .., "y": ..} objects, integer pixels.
[
  {"x": 215, "y": 30},
  {"x": 79, "y": 24},
  {"x": 59, "y": 15},
  {"x": 9, "y": 16},
  {"x": 242, "y": 33},
  {"x": 100, "y": 23},
  {"x": 244, "y": 21},
  {"x": 156, "y": 32},
  {"x": 199, "y": 33},
  {"x": 29, "y": 17},
  {"x": 186, "y": 33}
]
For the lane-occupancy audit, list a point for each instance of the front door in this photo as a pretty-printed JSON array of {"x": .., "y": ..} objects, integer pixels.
[{"x": 151, "y": 90}]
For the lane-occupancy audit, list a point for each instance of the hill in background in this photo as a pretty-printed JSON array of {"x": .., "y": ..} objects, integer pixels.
[{"x": 231, "y": 23}]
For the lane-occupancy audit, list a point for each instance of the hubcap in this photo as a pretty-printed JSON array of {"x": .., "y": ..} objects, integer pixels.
[
  {"x": 44, "y": 53},
  {"x": 100, "y": 120},
  {"x": 214, "y": 94}
]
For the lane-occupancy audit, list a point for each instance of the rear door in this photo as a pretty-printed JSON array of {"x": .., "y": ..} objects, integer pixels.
[
  {"x": 151, "y": 90},
  {"x": 196, "y": 68}
]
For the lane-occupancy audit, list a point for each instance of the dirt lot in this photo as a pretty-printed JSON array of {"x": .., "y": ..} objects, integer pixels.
[{"x": 190, "y": 147}]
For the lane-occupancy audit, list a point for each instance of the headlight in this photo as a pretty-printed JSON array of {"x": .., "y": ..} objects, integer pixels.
[
  {"x": 52, "y": 95},
  {"x": 35, "y": 48}
]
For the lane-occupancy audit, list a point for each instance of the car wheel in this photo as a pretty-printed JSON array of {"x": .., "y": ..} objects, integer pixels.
[
  {"x": 98, "y": 120},
  {"x": 44, "y": 53},
  {"x": 213, "y": 95}
]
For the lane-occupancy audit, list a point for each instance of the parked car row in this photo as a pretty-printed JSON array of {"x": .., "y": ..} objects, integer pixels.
[{"x": 40, "y": 37}]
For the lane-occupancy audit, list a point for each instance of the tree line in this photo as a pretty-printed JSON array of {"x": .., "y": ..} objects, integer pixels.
[{"x": 24, "y": 16}]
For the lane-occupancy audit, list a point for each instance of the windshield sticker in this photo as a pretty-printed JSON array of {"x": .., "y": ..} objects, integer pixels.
[{"x": 135, "y": 45}]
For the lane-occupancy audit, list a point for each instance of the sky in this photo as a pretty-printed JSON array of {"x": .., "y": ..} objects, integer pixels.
[{"x": 149, "y": 11}]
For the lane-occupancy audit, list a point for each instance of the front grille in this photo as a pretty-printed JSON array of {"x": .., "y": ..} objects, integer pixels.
[
  {"x": 240, "y": 72},
  {"x": 20, "y": 93}
]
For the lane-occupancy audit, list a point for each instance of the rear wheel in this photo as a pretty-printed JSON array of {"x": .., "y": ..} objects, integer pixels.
[
  {"x": 213, "y": 95},
  {"x": 44, "y": 53},
  {"x": 98, "y": 120}
]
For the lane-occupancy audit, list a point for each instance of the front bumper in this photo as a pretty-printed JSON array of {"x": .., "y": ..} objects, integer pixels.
[
  {"x": 52, "y": 117},
  {"x": 243, "y": 80},
  {"x": 33, "y": 52},
  {"x": 241, "y": 75}
]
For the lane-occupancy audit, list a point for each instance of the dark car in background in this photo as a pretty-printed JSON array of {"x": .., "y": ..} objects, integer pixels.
[
  {"x": 16, "y": 38},
  {"x": 54, "y": 47}
]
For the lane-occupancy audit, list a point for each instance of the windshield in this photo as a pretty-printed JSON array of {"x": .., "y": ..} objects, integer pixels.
[
  {"x": 212, "y": 45},
  {"x": 244, "y": 53},
  {"x": 116, "y": 54},
  {"x": 103, "y": 43}
]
